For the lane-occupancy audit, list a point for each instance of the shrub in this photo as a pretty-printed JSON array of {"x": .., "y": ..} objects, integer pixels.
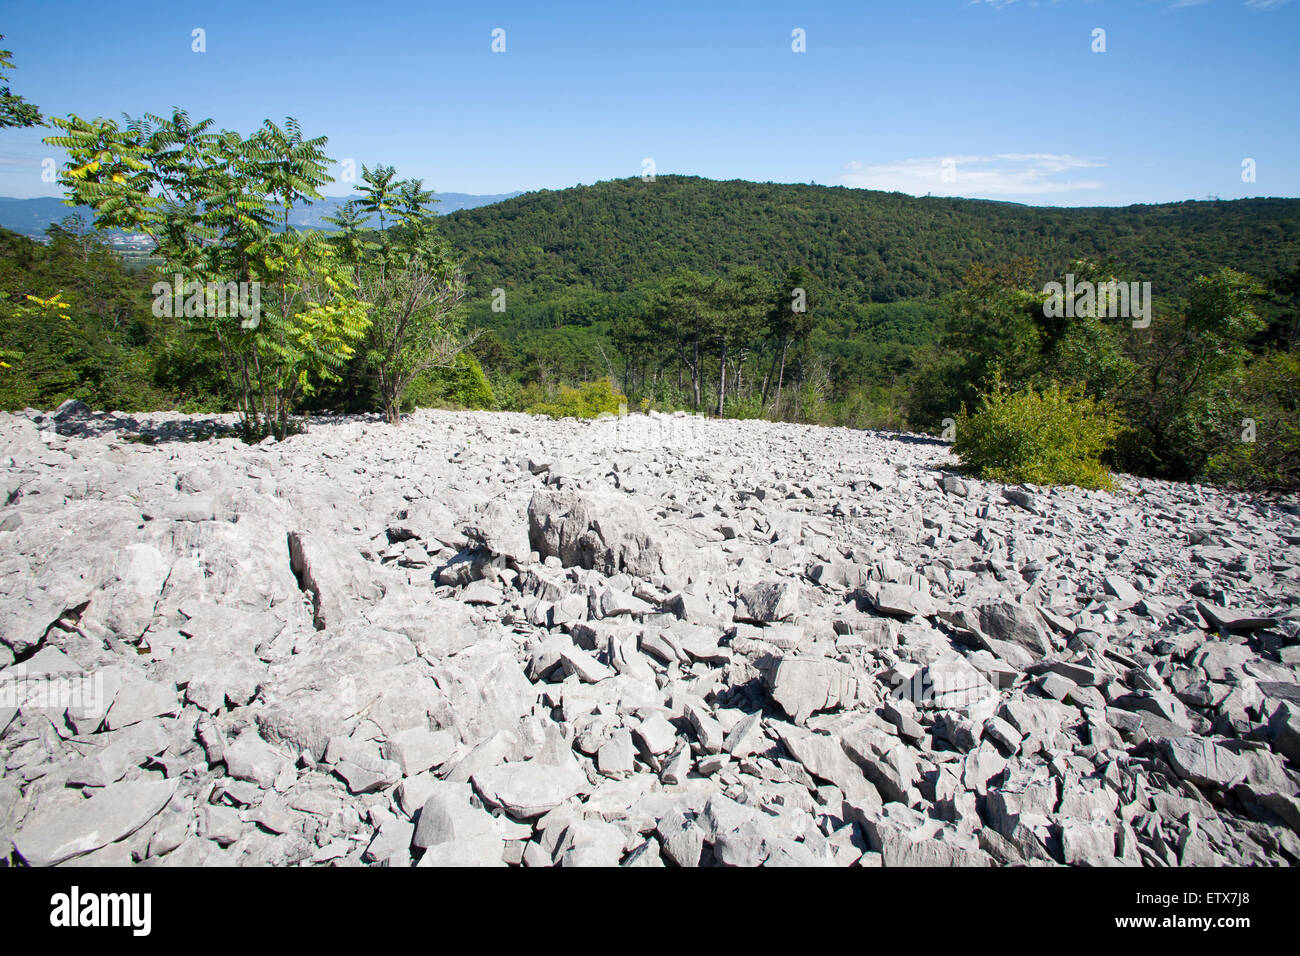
[
  {"x": 1259, "y": 438},
  {"x": 461, "y": 385},
  {"x": 877, "y": 407},
  {"x": 746, "y": 407},
  {"x": 588, "y": 400},
  {"x": 1056, "y": 436}
]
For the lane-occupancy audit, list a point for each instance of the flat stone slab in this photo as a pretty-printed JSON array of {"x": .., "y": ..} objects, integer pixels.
[
  {"x": 1280, "y": 690},
  {"x": 1233, "y": 618},
  {"x": 70, "y": 831},
  {"x": 1203, "y": 762},
  {"x": 527, "y": 790}
]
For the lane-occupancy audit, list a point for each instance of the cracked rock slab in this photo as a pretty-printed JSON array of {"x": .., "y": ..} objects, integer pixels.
[{"x": 111, "y": 815}]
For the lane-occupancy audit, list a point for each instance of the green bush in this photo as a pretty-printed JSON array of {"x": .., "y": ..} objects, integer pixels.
[
  {"x": 879, "y": 408},
  {"x": 462, "y": 385},
  {"x": 746, "y": 407},
  {"x": 1056, "y": 436},
  {"x": 588, "y": 400},
  {"x": 1259, "y": 439}
]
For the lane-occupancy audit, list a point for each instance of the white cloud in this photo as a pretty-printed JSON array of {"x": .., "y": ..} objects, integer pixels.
[
  {"x": 999, "y": 176},
  {"x": 1265, "y": 4}
]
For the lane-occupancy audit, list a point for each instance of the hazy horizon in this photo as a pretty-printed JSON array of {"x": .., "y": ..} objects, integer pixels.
[{"x": 333, "y": 193}]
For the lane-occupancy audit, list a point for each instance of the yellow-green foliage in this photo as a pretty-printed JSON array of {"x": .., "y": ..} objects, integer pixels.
[
  {"x": 588, "y": 400},
  {"x": 1056, "y": 436}
]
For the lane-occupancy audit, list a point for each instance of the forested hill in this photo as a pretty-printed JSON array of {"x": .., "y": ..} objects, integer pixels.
[{"x": 862, "y": 245}]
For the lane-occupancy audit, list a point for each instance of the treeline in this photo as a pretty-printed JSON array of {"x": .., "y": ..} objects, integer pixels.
[
  {"x": 1202, "y": 383},
  {"x": 849, "y": 356},
  {"x": 1207, "y": 388},
  {"x": 679, "y": 292},
  {"x": 1055, "y": 384}
]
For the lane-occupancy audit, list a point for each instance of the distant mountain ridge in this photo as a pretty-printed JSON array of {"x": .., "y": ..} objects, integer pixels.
[
  {"x": 864, "y": 245},
  {"x": 31, "y": 217}
]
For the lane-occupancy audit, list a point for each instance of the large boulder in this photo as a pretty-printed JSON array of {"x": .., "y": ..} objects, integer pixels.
[
  {"x": 483, "y": 691},
  {"x": 597, "y": 531},
  {"x": 528, "y": 790},
  {"x": 807, "y": 685},
  {"x": 1005, "y": 621},
  {"x": 125, "y": 602},
  {"x": 243, "y": 564},
  {"x": 905, "y": 837},
  {"x": 340, "y": 584},
  {"x": 501, "y": 529},
  {"x": 323, "y": 691},
  {"x": 1203, "y": 762},
  {"x": 767, "y": 602}
]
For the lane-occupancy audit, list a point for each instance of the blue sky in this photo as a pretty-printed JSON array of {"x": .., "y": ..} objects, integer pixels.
[{"x": 1000, "y": 99}]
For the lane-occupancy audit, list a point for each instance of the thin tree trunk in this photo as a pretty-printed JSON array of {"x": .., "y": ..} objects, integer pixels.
[
  {"x": 780, "y": 379},
  {"x": 771, "y": 371},
  {"x": 695, "y": 375},
  {"x": 722, "y": 379}
]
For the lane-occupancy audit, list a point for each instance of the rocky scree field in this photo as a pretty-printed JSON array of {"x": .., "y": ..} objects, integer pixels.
[{"x": 494, "y": 639}]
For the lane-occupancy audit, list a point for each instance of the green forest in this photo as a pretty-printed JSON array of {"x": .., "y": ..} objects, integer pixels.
[
  {"x": 803, "y": 303},
  {"x": 863, "y": 245}
]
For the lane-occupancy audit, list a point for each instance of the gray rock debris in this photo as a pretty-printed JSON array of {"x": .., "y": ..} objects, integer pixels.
[{"x": 672, "y": 642}]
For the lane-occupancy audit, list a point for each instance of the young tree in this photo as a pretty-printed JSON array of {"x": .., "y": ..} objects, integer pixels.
[
  {"x": 634, "y": 339},
  {"x": 1286, "y": 292},
  {"x": 995, "y": 328},
  {"x": 205, "y": 197},
  {"x": 1259, "y": 440},
  {"x": 1087, "y": 348},
  {"x": 1182, "y": 402},
  {"x": 682, "y": 312},
  {"x": 379, "y": 194},
  {"x": 789, "y": 320},
  {"x": 290, "y": 167},
  {"x": 349, "y": 239},
  {"x": 738, "y": 304},
  {"x": 412, "y": 280},
  {"x": 311, "y": 324}
]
